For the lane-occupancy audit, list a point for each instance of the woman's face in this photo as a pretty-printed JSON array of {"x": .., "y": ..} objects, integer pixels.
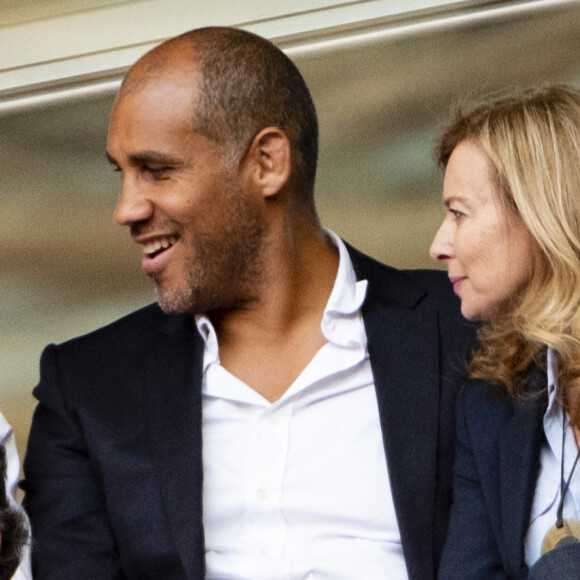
[{"x": 488, "y": 257}]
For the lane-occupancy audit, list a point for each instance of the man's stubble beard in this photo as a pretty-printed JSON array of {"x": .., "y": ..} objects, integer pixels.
[{"x": 226, "y": 268}]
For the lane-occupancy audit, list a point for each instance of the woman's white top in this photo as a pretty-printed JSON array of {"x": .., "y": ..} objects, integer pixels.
[{"x": 547, "y": 494}]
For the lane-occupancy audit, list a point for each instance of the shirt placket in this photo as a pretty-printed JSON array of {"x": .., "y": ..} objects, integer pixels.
[{"x": 265, "y": 484}]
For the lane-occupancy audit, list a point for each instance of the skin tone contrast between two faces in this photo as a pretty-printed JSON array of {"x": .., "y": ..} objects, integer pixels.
[
  {"x": 189, "y": 214},
  {"x": 488, "y": 256}
]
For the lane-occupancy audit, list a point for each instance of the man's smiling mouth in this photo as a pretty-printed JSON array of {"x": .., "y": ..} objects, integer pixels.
[{"x": 157, "y": 246}]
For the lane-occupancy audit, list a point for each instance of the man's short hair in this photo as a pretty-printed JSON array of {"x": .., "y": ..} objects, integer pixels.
[{"x": 246, "y": 85}]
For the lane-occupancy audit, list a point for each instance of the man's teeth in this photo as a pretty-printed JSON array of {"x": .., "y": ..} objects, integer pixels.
[{"x": 156, "y": 245}]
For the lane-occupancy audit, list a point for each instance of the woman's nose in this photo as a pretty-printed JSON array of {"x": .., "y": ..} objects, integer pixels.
[{"x": 442, "y": 248}]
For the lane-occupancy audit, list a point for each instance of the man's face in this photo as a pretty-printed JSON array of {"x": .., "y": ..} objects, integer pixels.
[{"x": 200, "y": 230}]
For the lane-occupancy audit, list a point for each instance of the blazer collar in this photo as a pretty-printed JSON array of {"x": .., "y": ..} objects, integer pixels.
[
  {"x": 404, "y": 353},
  {"x": 388, "y": 287}
]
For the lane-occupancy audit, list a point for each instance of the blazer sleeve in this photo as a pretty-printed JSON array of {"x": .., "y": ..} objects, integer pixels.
[
  {"x": 471, "y": 549},
  {"x": 70, "y": 530}
]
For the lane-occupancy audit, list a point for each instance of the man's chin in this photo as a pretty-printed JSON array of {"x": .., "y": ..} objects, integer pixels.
[
  {"x": 180, "y": 301},
  {"x": 172, "y": 302}
]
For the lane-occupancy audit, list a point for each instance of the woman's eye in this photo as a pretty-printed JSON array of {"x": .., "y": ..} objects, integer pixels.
[{"x": 457, "y": 215}]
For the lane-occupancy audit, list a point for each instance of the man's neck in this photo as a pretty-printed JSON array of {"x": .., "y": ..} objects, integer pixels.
[{"x": 270, "y": 341}]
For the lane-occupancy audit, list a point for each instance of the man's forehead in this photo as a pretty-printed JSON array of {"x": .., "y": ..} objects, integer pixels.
[
  {"x": 175, "y": 58},
  {"x": 157, "y": 95},
  {"x": 152, "y": 78},
  {"x": 160, "y": 109}
]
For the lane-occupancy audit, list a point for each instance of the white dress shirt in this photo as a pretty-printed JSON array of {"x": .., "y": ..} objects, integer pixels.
[
  {"x": 298, "y": 489},
  {"x": 12, "y": 476},
  {"x": 547, "y": 494}
]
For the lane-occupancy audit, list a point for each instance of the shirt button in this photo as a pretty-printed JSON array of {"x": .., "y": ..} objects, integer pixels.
[{"x": 261, "y": 495}]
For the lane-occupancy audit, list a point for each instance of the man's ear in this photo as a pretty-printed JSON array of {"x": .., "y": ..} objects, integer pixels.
[{"x": 269, "y": 161}]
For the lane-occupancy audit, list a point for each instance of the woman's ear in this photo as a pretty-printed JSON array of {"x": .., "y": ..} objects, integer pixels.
[{"x": 268, "y": 161}]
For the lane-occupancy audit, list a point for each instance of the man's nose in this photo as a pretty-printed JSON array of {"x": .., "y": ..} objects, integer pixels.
[{"x": 133, "y": 204}]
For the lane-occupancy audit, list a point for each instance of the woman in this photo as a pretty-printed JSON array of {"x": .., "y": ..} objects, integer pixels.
[
  {"x": 13, "y": 524},
  {"x": 511, "y": 243}
]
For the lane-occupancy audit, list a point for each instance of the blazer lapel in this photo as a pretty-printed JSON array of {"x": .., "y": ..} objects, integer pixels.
[
  {"x": 176, "y": 440},
  {"x": 408, "y": 398},
  {"x": 521, "y": 441},
  {"x": 405, "y": 369}
]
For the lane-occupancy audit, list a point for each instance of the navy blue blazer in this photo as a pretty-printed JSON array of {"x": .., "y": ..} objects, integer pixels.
[
  {"x": 113, "y": 470},
  {"x": 499, "y": 439}
]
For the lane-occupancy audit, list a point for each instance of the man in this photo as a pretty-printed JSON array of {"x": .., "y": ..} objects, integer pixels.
[{"x": 291, "y": 358}]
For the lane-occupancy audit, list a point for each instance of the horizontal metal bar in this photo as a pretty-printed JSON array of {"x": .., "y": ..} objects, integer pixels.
[{"x": 369, "y": 32}]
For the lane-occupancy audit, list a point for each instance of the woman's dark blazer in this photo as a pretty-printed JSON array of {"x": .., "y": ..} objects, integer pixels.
[{"x": 499, "y": 439}]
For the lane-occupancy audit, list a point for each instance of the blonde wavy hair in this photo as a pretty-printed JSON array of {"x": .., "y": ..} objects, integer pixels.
[{"x": 532, "y": 141}]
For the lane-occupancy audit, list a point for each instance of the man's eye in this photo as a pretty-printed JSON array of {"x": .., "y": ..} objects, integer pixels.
[{"x": 157, "y": 173}]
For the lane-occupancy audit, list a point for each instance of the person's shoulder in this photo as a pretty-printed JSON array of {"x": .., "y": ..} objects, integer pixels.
[
  {"x": 481, "y": 399},
  {"x": 479, "y": 394},
  {"x": 428, "y": 280},
  {"x": 437, "y": 288},
  {"x": 365, "y": 266},
  {"x": 407, "y": 286},
  {"x": 145, "y": 319},
  {"x": 129, "y": 346},
  {"x": 434, "y": 281},
  {"x": 484, "y": 404},
  {"x": 129, "y": 333}
]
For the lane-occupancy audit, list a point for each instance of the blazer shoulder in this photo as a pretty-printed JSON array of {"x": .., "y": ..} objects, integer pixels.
[
  {"x": 118, "y": 358},
  {"x": 402, "y": 288},
  {"x": 136, "y": 332},
  {"x": 483, "y": 403},
  {"x": 436, "y": 284},
  {"x": 481, "y": 399},
  {"x": 485, "y": 409},
  {"x": 147, "y": 318}
]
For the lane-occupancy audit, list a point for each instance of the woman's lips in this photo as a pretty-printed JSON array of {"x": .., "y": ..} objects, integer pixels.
[{"x": 456, "y": 282}]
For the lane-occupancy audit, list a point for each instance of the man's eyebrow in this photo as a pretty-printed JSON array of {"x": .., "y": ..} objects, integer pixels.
[
  {"x": 153, "y": 158},
  {"x": 147, "y": 158},
  {"x": 150, "y": 158}
]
